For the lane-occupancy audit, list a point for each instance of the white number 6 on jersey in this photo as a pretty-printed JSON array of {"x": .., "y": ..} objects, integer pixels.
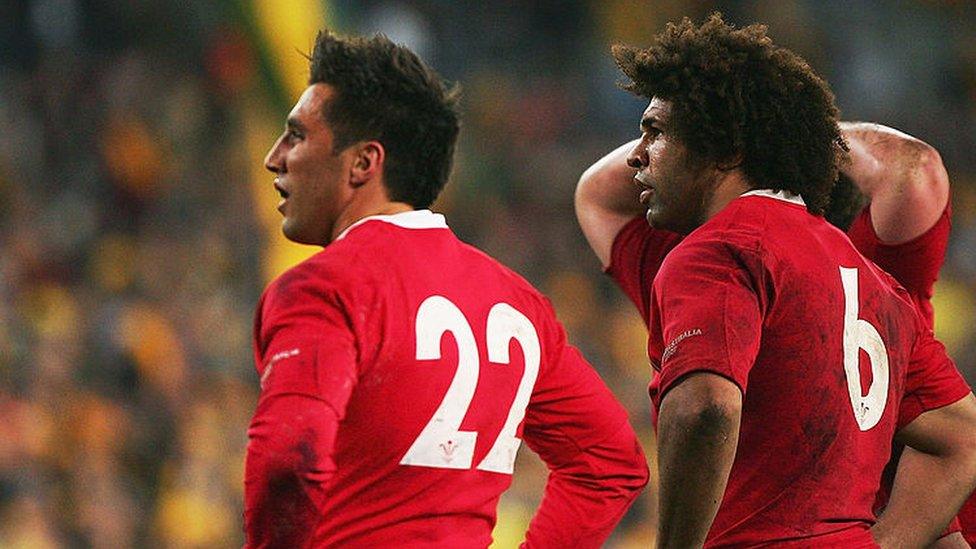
[{"x": 860, "y": 334}]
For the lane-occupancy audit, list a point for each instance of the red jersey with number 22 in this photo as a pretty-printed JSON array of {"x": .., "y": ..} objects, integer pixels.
[{"x": 437, "y": 362}]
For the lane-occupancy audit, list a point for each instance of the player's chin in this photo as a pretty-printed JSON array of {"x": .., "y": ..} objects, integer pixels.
[
  {"x": 292, "y": 230},
  {"x": 655, "y": 217},
  {"x": 662, "y": 220},
  {"x": 301, "y": 234}
]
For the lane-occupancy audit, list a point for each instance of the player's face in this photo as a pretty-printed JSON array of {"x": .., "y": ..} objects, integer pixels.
[
  {"x": 311, "y": 177},
  {"x": 675, "y": 187}
]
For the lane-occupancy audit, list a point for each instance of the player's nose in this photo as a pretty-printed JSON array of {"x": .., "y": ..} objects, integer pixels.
[
  {"x": 637, "y": 158},
  {"x": 274, "y": 161}
]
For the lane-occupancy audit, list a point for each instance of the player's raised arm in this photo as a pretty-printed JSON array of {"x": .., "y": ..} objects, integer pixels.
[
  {"x": 902, "y": 176},
  {"x": 936, "y": 473},
  {"x": 596, "y": 464},
  {"x": 606, "y": 199}
]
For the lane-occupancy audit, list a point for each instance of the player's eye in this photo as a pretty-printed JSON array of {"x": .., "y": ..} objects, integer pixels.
[{"x": 294, "y": 135}]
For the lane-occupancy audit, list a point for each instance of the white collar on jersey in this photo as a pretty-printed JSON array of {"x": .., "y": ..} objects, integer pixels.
[
  {"x": 413, "y": 219},
  {"x": 778, "y": 195}
]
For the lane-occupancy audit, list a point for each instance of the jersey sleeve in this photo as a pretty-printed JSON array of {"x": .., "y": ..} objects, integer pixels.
[
  {"x": 635, "y": 258},
  {"x": 708, "y": 308},
  {"x": 596, "y": 464},
  {"x": 932, "y": 381},
  {"x": 914, "y": 264},
  {"x": 307, "y": 361}
]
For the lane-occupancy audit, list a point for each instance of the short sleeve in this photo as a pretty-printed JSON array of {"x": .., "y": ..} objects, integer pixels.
[
  {"x": 932, "y": 381},
  {"x": 304, "y": 342},
  {"x": 707, "y": 312},
  {"x": 635, "y": 258},
  {"x": 914, "y": 264}
]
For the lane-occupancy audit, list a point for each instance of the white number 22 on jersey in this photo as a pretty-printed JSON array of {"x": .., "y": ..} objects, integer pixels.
[
  {"x": 860, "y": 334},
  {"x": 441, "y": 443}
]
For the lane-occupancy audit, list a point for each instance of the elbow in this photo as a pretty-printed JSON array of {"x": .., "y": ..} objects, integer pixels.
[
  {"x": 584, "y": 194},
  {"x": 635, "y": 473},
  {"x": 641, "y": 475},
  {"x": 966, "y": 447},
  {"x": 273, "y": 462},
  {"x": 618, "y": 464},
  {"x": 713, "y": 422},
  {"x": 704, "y": 407},
  {"x": 931, "y": 171}
]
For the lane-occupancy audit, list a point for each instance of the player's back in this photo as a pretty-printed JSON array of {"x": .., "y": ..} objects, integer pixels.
[
  {"x": 451, "y": 347},
  {"x": 823, "y": 389}
]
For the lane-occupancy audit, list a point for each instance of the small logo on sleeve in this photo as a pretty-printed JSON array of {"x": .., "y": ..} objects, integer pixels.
[
  {"x": 672, "y": 347},
  {"x": 274, "y": 359}
]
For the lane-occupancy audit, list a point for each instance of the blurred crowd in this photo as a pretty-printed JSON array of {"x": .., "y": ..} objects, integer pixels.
[{"x": 135, "y": 241}]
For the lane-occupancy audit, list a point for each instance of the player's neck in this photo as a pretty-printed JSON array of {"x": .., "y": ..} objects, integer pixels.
[
  {"x": 355, "y": 212},
  {"x": 730, "y": 186}
]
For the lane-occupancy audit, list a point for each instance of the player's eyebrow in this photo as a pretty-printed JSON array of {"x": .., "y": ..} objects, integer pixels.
[
  {"x": 649, "y": 121},
  {"x": 294, "y": 124}
]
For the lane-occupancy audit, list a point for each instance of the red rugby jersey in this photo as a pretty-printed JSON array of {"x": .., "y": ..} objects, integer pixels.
[
  {"x": 771, "y": 314},
  {"x": 914, "y": 264},
  {"x": 400, "y": 370}
]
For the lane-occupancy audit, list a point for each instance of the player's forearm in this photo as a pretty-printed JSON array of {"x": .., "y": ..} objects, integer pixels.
[
  {"x": 936, "y": 473},
  {"x": 954, "y": 540},
  {"x": 697, "y": 439},
  {"x": 288, "y": 461},
  {"x": 606, "y": 199},
  {"x": 928, "y": 492},
  {"x": 608, "y": 185},
  {"x": 587, "y": 496}
]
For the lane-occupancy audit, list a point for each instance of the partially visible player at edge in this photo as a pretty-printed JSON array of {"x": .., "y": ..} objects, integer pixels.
[
  {"x": 632, "y": 253},
  {"x": 400, "y": 368}
]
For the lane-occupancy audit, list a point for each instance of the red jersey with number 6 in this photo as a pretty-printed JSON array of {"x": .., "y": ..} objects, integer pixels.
[
  {"x": 831, "y": 356},
  {"x": 435, "y": 362}
]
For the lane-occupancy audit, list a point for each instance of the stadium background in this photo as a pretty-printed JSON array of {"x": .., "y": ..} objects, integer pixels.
[{"x": 137, "y": 226}]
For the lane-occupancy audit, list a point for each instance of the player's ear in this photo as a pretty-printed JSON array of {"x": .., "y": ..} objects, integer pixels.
[{"x": 368, "y": 162}]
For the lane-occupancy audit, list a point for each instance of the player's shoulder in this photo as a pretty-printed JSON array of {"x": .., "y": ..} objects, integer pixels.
[
  {"x": 742, "y": 224},
  {"x": 731, "y": 234},
  {"x": 333, "y": 268},
  {"x": 509, "y": 278}
]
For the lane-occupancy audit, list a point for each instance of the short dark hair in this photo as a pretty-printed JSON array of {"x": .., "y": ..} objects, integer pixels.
[
  {"x": 737, "y": 96},
  {"x": 385, "y": 92}
]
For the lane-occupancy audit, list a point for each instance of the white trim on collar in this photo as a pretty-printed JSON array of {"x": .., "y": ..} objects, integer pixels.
[
  {"x": 413, "y": 219},
  {"x": 779, "y": 195}
]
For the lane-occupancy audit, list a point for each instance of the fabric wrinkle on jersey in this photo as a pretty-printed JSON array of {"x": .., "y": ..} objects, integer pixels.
[
  {"x": 735, "y": 241},
  {"x": 376, "y": 276}
]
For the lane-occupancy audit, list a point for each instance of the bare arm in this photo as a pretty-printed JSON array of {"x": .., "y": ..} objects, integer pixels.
[
  {"x": 952, "y": 541},
  {"x": 606, "y": 199},
  {"x": 902, "y": 176},
  {"x": 698, "y": 432},
  {"x": 936, "y": 474}
]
